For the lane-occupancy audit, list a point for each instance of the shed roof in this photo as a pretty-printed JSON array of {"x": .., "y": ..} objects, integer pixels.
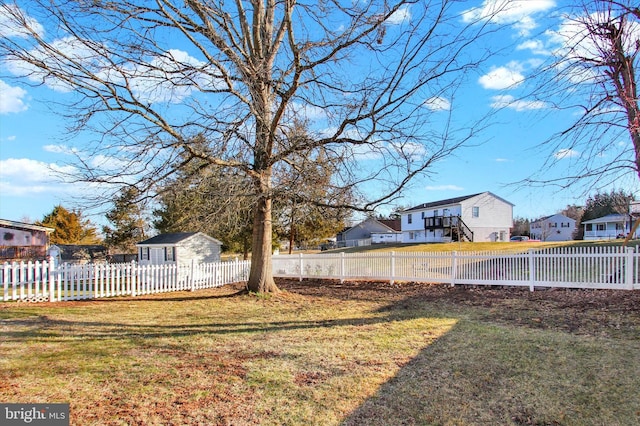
[{"x": 174, "y": 238}]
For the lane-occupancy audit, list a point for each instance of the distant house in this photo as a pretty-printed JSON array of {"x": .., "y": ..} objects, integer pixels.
[
  {"x": 476, "y": 217},
  {"x": 370, "y": 231},
  {"x": 180, "y": 248},
  {"x": 23, "y": 241},
  {"x": 553, "y": 228},
  {"x": 608, "y": 227}
]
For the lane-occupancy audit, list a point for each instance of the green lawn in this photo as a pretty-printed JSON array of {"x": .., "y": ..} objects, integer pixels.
[{"x": 330, "y": 354}]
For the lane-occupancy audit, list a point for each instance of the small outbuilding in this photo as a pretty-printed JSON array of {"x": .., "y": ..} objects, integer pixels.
[{"x": 181, "y": 248}]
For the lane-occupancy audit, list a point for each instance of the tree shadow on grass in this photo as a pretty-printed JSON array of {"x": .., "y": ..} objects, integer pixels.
[{"x": 486, "y": 369}]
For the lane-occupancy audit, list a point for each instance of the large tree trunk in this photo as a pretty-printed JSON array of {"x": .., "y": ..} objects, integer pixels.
[{"x": 261, "y": 274}]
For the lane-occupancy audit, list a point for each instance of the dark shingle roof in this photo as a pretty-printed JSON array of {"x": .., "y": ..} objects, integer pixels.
[
  {"x": 391, "y": 223},
  {"x": 168, "y": 238},
  {"x": 443, "y": 202}
]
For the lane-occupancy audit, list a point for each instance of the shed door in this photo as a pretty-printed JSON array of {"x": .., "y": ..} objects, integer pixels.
[{"x": 156, "y": 256}]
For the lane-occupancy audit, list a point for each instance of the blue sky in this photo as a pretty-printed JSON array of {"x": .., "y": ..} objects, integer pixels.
[{"x": 32, "y": 135}]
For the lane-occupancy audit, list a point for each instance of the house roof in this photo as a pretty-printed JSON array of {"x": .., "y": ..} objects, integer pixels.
[
  {"x": 610, "y": 218},
  {"x": 173, "y": 238},
  {"x": 74, "y": 251},
  {"x": 391, "y": 225},
  {"x": 542, "y": 219},
  {"x": 21, "y": 225},
  {"x": 394, "y": 224},
  {"x": 450, "y": 201}
]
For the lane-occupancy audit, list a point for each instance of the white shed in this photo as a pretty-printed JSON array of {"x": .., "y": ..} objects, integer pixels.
[{"x": 181, "y": 247}]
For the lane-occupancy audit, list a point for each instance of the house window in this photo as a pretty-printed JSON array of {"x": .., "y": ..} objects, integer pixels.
[
  {"x": 409, "y": 218},
  {"x": 619, "y": 227},
  {"x": 589, "y": 227},
  {"x": 475, "y": 212},
  {"x": 435, "y": 212},
  {"x": 601, "y": 227},
  {"x": 144, "y": 253},
  {"x": 169, "y": 254},
  {"x": 422, "y": 216}
]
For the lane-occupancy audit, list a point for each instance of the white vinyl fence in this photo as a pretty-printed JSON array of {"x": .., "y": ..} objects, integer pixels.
[
  {"x": 583, "y": 267},
  {"x": 41, "y": 281},
  {"x": 596, "y": 268}
]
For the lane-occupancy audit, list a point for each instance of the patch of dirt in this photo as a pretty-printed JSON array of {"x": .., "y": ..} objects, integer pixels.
[{"x": 578, "y": 311}]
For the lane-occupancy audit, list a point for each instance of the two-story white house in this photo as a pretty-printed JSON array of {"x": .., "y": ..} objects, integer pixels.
[
  {"x": 476, "y": 217},
  {"x": 553, "y": 228}
]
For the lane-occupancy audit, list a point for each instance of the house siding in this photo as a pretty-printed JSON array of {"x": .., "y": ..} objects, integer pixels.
[
  {"x": 198, "y": 248},
  {"x": 495, "y": 218},
  {"x": 608, "y": 227},
  {"x": 368, "y": 229},
  {"x": 22, "y": 241},
  {"x": 553, "y": 228}
]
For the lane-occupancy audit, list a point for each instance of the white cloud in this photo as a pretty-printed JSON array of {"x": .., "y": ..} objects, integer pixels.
[
  {"x": 574, "y": 43},
  {"x": 437, "y": 103},
  {"x": 25, "y": 169},
  {"x": 70, "y": 48},
  {"x": 508, "y": 101},
  {"x": 169, "y": 78},
  {"x": 566, "y": 153},
  {"x": 24, "y": 177},
  {"x": 519, "y": 13},
  {"x": 58, "y": 149},
  {"x": 13, "y": 20},
  {"x": 12, "y": 99},
  {"x": 399, "y": 16},
  {"x": 444, "y": 188},
  {"x": 502, "y": 160},
  {"x": 506, "y": 77},
  {"x": 536, "y": 47}
]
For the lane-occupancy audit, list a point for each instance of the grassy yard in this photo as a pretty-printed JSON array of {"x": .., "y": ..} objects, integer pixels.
[{"x": 331, "y": 354}]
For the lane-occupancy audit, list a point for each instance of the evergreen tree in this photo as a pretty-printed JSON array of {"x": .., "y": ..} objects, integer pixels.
[
  {"x": 128, "y": 221},
  {"x": 603, "y": 204},
  {"x": 70, "y": 227},
  {"x": 206, "y": 198}
]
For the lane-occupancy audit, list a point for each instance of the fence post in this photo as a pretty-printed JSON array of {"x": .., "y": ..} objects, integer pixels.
[
  {"x": 628, "y": 267},
  {"x": 301, "y": 267},
  {"x": 454, "y": 267},
  {"x": 393, "y": 267},
  {"x": 134, "y": 280},
  {"x": 5, "y": 281},
  {"x": 532, "y": 270},
  {"x": 50, "y": 278},
  {"x": 341, "y": 267},
  {"x": 192, "y": 281}
]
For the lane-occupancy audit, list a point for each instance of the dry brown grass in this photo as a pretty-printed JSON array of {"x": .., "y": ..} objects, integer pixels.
[{"x": 327, "y": 353}]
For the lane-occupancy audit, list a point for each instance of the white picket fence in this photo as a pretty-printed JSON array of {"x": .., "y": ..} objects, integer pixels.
[
  {"x": 41, "y": 281},
  {"x": 595, "y": 268},
  {"x": 582, "y": 267}
]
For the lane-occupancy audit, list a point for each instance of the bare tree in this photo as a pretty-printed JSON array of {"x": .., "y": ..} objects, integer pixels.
[
  {"x": 593, "y": 71},
  {"x": 147, "y": 76}
]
